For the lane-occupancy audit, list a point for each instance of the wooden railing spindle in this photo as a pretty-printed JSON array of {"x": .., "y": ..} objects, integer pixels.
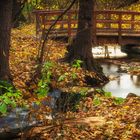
[
  {"x": 132, "y": 22},
  {"x": 120, "y": 28},
  {"x": 37, "y": 24}
]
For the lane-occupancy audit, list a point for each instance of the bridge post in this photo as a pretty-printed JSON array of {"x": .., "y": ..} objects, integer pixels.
[
  {"x": 120, "y": 29},
  {"x": 107, "y": 17},
  {"x": 37, "y": 24},
  {"x": 106, "y": 52},
  {"x": 132, "y": 22}
]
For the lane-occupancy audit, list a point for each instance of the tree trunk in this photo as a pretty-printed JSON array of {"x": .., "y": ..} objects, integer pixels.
[
  {"x": 17, "y": 16},
  {"x": 81, "y": 47},
  {"x": 5, "y": 30}
]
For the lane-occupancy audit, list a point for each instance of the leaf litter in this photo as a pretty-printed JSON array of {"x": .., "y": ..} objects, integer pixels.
[{"x": 96, "y": 117}]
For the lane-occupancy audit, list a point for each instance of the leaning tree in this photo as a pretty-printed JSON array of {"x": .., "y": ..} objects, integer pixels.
[{"x": 5, "y": 30}]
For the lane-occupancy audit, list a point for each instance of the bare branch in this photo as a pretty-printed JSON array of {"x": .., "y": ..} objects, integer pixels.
[{"x": 48, "y": 32}]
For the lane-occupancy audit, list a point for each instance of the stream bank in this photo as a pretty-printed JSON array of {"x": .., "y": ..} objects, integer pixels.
[{"x": 124, "y": 75}]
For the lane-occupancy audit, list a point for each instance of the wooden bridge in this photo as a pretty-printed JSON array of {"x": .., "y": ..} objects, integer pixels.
[{"x": 121, "y": 27}]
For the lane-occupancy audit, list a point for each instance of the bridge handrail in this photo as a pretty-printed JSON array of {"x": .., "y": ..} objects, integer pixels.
[
  {"x": 103, "y": 21},
  {"x": 73, "y": 11}
]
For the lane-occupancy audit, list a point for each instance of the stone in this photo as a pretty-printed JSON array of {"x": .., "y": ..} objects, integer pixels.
[
  {"x": 16, "y": 121},
  {"x": 133, "y": 50},
  {"x": 131, "y": 95}
]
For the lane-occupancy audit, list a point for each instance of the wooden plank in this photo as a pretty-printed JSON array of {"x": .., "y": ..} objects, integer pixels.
[
  {"x": 61, "y": 21},
  {"x": 116, "y": 12},
  {"x": 96, "y": 11},
  {"x": 54, "y": 12},
  {"x": 119, "y": 29},
  {"x": 117, "y": 21}
]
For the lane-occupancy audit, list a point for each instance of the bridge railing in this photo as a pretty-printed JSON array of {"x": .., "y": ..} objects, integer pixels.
[
  {"x": 66, "y": 26},
  {"x": 117, "y": 23},
  {"x": 106, "y": 22}
]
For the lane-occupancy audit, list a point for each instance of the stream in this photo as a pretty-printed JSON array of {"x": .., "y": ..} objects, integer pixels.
[{"x": 121, "y": 83}]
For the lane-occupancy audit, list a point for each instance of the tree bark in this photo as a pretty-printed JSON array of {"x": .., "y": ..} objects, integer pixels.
[
  {"x": 5, "y": 31},
  {"x": 17, "y": 15},
  {"x": 81, "y": 47}
]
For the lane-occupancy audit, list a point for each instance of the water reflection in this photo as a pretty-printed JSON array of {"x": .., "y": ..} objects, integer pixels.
[
  {"x": 110, "y": 69},
  {"x": 136, "y": 80},
  {"x": 122, "y": 85},
  {"x": 108, "y": 52}
]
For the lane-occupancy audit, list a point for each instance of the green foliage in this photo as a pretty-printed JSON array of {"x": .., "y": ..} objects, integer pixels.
[
  {"x": 96, "y": 101},
  {"x": 108, "y": 94},
  {"x": 3, "y": 108},
  {"x": 83, "y": 92},
  {"x": 43, "y": 88},
  {"x": 74, "y": 75},
  {"x": 118, "y": 100},
  {"x": 77, "y": 63},
  {"x": 62, "y": 77},
  {"x": 105, "y": 93},
  {"x": 9, "y": 96},
  {"x": 43, "y": 84},
  {"x": 47, "y": 66},
  {"x": 101, "y": 91}
]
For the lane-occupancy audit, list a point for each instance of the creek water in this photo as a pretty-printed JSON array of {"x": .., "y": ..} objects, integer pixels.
[
  {"x": 108, "y": 52},
  {"x": 122, "y": 83}
]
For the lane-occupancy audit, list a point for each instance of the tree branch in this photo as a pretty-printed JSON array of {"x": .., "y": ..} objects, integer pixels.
[{"x": 41, "y": 54}]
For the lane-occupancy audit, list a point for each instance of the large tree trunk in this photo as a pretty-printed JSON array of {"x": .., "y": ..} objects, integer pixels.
[
  {"x": 5, "y": 30},
  {"x": 81, "y": 47}
]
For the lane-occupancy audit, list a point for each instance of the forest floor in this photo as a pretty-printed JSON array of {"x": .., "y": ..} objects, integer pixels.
[{"x": 98, "y": 115}]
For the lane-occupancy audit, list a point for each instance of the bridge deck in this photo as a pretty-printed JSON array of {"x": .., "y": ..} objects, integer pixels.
[{"x": 120, "y": 26}]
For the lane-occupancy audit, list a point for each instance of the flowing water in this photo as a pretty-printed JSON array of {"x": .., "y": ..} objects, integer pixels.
[{"x": 123, "y": 83}]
